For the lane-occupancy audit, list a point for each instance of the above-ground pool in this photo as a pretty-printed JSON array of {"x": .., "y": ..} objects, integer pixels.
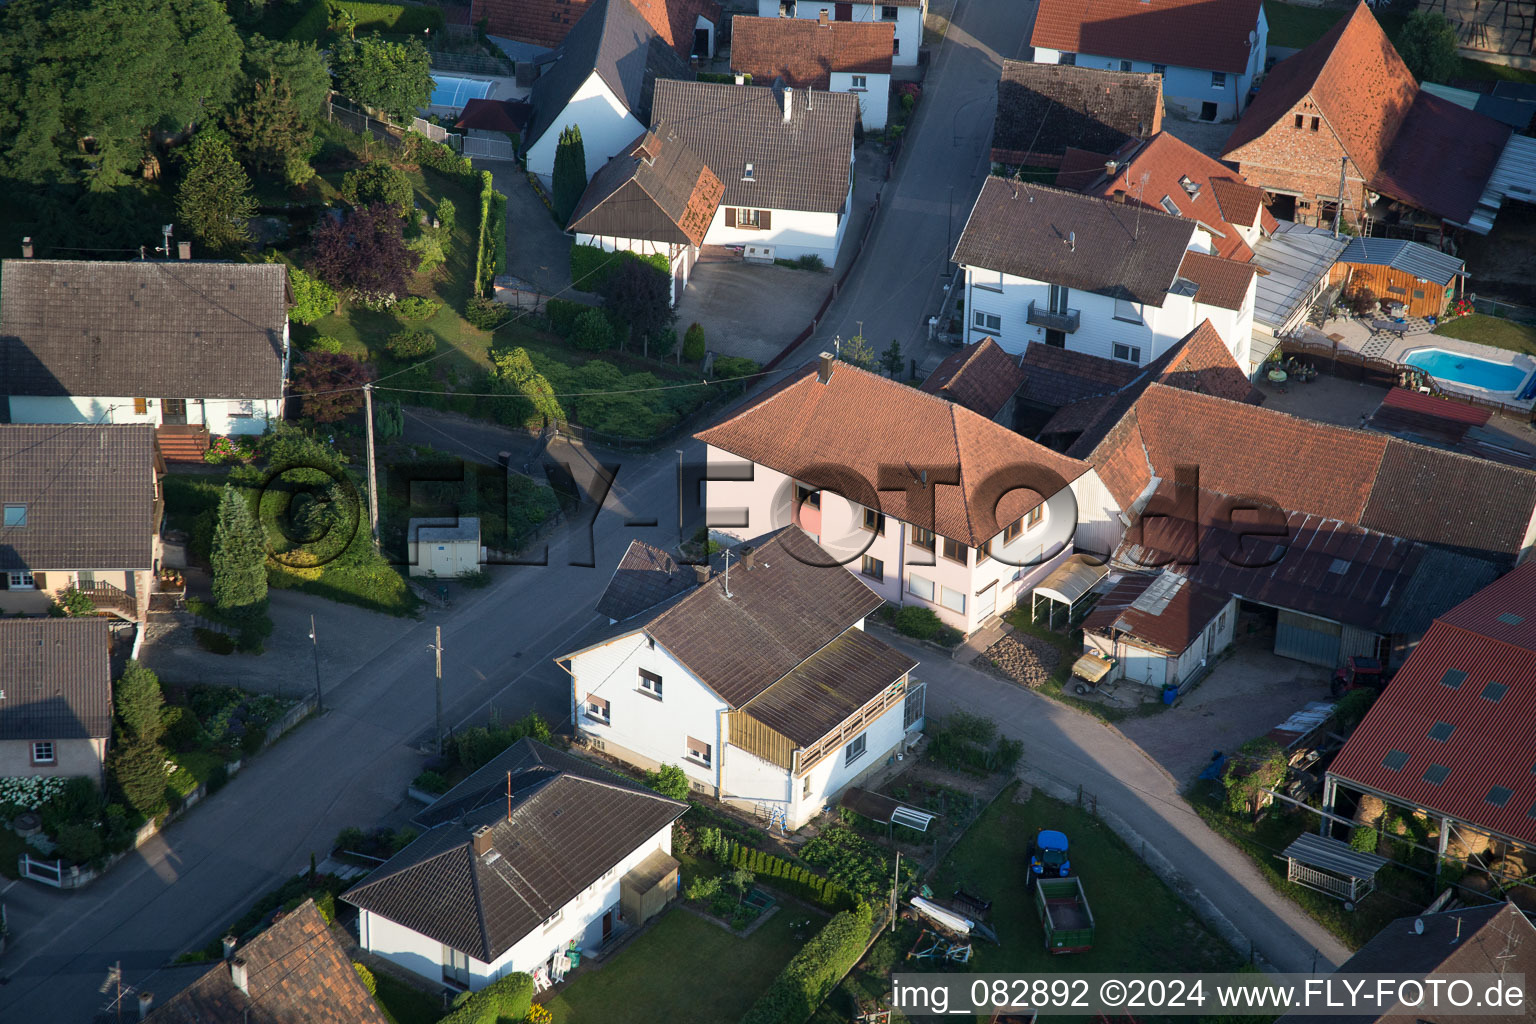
[
  {"x": 1460, "y": 368},
  {"x": 452, "y": 91}
]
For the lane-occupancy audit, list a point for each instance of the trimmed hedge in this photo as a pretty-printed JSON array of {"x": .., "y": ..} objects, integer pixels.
[
  {"x": 591, "y": 267},
  {"x": 776, "y": 871},
  {"x": 486, "y": 191},
  {"x": 391, "y": 18},
  {"x": 815, "y": 971},
  {"x": 507, "y": 999},
  {"x": 562, "y": 315}
]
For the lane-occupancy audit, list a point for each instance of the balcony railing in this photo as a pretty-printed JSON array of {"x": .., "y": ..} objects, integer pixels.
[
  {"x": 1067, "y": 322},
  {"x": 107, "y": 597}
]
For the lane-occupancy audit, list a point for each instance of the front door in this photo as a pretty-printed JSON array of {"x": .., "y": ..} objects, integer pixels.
[
  {"x": 1207, "y": 111},
  {"x": 173, "y": 410},
  {"x": 986, "y": 602},
  {"x": 607, "y": 925},
  {"x": 843, "y": 12}
]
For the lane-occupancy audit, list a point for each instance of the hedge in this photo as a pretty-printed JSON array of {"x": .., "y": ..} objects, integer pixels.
[
  {"x": 507, "y": 999},
  {"x": 562, "y": 315},
  {"x": 781, "y": 874},
  {"x": 491, "y": 247},
  {"x": 591, "y": 266},
  {"x": 815, "y": 971},
  {"x": 391, "y": 18}
]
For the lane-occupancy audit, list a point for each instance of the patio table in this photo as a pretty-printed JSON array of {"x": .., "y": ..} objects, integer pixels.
[{"x": 1391, "y": 326}]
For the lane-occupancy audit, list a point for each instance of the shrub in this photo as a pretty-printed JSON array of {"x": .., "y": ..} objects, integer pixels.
[
  {"x": 140, "y": 704},
  {"x": 815, "y": 971},
  {"x": 486, "y": 314},
  {"x": 693, "y": 343},
  {"x": 437, "y": 156},
  {"x": 366, "y": 977},
  {"x": 703, "y": 888},
  {"x": 312, "y": 297},
  {"x": 591, "y": 266},
  {"x": 916, "y": 622},
  {"x": 669, "y": 781},
  {"x": 1258, "y": 765},
  {"x": 731, "y": 367},
  {"x": 510, "y": 999},
  {"x": 428, "y": 249},
  {"x": 79, "y": 842},
  {"x": 214, "y": 642},
  {"x": 414, "y": 307},
  {"x": 562, "y": 315},
  {"x": 1364, "y": 838},
  {"x": 378, "y": 182},
  {"x": 138, "y": 772},
  {"x": 324, "y": 343},
  {"x": 447, "y": 215},
  {"x": 1351, "y": 708},
  {"x": 430, "y": 782},
  {"x": 76, "y": 602},
  {"x": 592, "y": 331},
  {"x": 181, "y": 728},
  {"x": 411, "y": 344},
  {"x": 810, "y": 261}
]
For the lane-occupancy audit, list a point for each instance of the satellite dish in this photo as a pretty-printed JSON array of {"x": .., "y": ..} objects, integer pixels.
[{"x": 1418, "y": 926}]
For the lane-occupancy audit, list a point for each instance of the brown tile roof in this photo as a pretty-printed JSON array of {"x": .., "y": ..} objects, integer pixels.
[
  {"x": 646, "y": 576},
  {"x": 1060, "y": 376},
  {"x": 564, "y": 832},
  {"x": 981, "y": 376},
  {"x": 1027, "y": 231},
  {"x": 495, "y": 115},
  {"x": 655, "y": 190},
  {"x": 789, "y": 605},
  {"x": 89, "y": 493},
  {"x": 1220, "y": 282},
  {"x": 1442, "y": 158},
  {"x": 805, "y": 53},
  {"x": 1042, "y": 109},
  {"x": 547, "y": 22},
  {"x": 1207, "y": 34},
  {"x": 804, "y": 428},
  {"x": 155, "y": 328},
  {"x": 829, "y": 686},
  {"x": 1239, "y": 201},
  {"x": 1161, "y": 168},
  {"x": 297, "y": 972},
  {"x": 531, "y": 764},
  {"x": 799, "y": 164},
  {"x": 1166, "y": 610},
  {"x": 58, "y": 680}
]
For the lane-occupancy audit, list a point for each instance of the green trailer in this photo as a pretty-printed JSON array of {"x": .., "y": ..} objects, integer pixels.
[{"x": 1064, "y": 915}]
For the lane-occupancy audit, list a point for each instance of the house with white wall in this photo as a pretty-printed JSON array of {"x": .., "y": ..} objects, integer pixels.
[
  {"x": 603, "y": 83},
  {"x": 192, "y": 347},
  {"x": 535, "y": 853},
  {"x": 56, "y": 714},
  {"x": 527, "y": 31},
  {"x": 759, "y": 682},
  {"x": 654, "y": 198},
  {"x": 832, "y": 56},
  {"x": 905, "y": 16},
  {"x": 1099, "y": 276},
  {"x": 1159, "y": 629},
  {"x": 784, "y": 156},
  {"x": 1209, "y": 54},
  {"x": 930, "y": 503}
]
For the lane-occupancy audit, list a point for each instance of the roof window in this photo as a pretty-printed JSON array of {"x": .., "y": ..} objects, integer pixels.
[
  {"x": 747, "y": 174},
  {"x": 1435, "y": 774},
  {"x": 1339, "y": 566},
  {"x": 15, "y": 515},
  {"x": 1169, "y": 205},
  {"x": 1395, "y": 760},
  {"x": 1453, "y": 678},
  {"x": 1510, "y": 619},
  {"x": 1499, "y": 795},
  {"x": 1441, "y": 731},
  {"x": 1495, "y": 692}
]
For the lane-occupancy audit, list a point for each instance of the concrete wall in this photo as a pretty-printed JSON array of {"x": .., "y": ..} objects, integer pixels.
[
  {"x": 792, "y": 233},
  {"x": 909, "y": 22},
  {"x": 606, "y": 127},
  {"x": 874, "y": 97},
  {"x": 221, "y": 416},
  {"x": 71, "y": 757}
]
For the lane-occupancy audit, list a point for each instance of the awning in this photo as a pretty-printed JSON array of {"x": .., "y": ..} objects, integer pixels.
[
  {"x": 1073, "y": 579},
  {"x": 1333, "y": 855},
  {"x": 1294, "y": 260}
]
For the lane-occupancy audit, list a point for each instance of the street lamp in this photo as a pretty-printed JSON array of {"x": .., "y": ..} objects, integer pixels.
[{"x": 315, "y": 644}]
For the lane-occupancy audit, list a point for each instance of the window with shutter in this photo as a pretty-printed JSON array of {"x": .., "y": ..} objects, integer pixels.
[{"x": 765, "y": 219}]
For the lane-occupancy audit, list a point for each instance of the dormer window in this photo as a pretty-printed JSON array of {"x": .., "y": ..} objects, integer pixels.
[
  {"x": 15, "y": 515},
  {"x": 747, "y": 175}
]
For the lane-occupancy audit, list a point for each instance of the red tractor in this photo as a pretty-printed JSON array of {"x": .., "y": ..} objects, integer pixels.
[{"x": 1359, "y": 674}]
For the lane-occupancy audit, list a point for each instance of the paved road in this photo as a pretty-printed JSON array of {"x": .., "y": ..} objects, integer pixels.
[{"x": 1064, "y": 749}]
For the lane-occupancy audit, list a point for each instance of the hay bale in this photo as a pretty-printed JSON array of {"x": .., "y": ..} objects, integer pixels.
[{"x": 1371, "y": 809}]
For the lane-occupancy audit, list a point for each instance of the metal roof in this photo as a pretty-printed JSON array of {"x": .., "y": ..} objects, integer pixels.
[
  {"x": 1333, "y": 855},
  {"x": 1293, "y": 259},
  {"x": 1514, "y": 177},
  {"x": 1409, "y": 257},
  {"x": 1072, "y": 579},
  {"x": 830, "y": 686}
]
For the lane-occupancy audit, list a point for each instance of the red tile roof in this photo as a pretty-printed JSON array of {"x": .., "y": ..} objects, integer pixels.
[
  {"x": 1208, "y": 34},
  {"x": 1170, "y": 622},
  {"x": 655, "y": 189},
  {"x": 805, "y": 53},
  {"x": 1240, "y": 202},
  {"x": 1222, "y": 282},
  {"x": 860, "y": 431},
  {"x": 495, "y": 115},
  {"x": 981, "y": 376},
  {"x": 1490, "y": 754},
  {"x": 546, "y": 22},
  {"x": 1442, "y": 158}
]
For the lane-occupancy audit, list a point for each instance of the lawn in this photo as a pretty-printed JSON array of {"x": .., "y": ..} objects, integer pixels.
[
  {"x": 405, "y": 1004},
  {"x": 683, "y": 969},
  {"x": 1491, "y": 330}
]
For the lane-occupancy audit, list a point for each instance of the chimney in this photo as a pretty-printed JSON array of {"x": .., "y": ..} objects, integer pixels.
[
  {"x": 1119, "y": 195},
  {"x": 26, "y": 248},
  {"x": 741, "y": 79},
  {"x": 748, "y": 558},
  {"x": 146, "y": 1000},
  {"x": 237, "y": 974},
  {"x": 824, "y": 368},
  {"x": 821, "y": 19},
  {"x": 1111, "y": 166},
  {"x": 184, "y": 250},
  {"x": 701, "y": 574},
  {"x": 480, "y": 841},
  {"x": 230, "y": 942},
  {"x": 782, "y": 94}
]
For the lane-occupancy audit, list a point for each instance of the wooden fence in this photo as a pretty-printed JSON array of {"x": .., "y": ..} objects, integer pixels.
[{"x": 1384, "y": 373}]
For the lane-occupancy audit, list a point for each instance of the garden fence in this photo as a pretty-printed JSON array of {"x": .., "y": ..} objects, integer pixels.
[
  {"x": 1384, "y": 373},
  {"x": 358, "y": 122}
]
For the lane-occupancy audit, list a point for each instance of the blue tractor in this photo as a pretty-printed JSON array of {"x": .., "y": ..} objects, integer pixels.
[{"x": 1048, "y": 857}]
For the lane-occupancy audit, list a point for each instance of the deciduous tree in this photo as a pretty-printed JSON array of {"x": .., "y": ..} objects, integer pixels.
[
  {"x": 1428, "y": 46},
  {"x": 329, "y": 385},
  {"x": 570, "y": 174},
  {"x": 640, "y": 294},
  {"x": 365, "y": 253},
  {"x": 393, "y": 77},
  {"x": 378, "y": 181},
  {"x": 214, "y": 200}
]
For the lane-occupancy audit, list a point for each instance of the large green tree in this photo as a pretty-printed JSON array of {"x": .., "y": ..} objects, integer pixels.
[
  {"x": 266, "y": 128},
  {"x": 393, "y": 77},
  {"x": 140, "y": 704},
  {"x": 88, "y": 87},
  {"x": 1428, "y": 46},
  {"x": 570, "y": 175},
  {"x": 214, "y": 200},
  {"x": 379, "y": 181},
  {"x": 299, "y": 65},
  {"x": 239, "y": 557}
]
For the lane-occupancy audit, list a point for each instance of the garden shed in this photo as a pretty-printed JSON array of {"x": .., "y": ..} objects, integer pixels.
[
  {"x": 445, "y": 548},
  {"x": 1333, "y": 867},
  {"x": 1393, "y": 270},
  {"x": 647, "y": 888}
]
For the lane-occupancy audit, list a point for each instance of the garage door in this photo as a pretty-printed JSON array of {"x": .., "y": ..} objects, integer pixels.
[
  {"x": 1307, "y": 638},
  {"x": 1144, "y": 666}
]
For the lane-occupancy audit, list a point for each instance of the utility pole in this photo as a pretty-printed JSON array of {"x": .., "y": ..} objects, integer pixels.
[
  {"x": 314, "y": 641},
  {"x": 1338, "y": 211},
  {"x": 373, "y": 486},
  {"x": 949, "y": 233},
  {"x": 895, "y": 884},
  {"x": 437, "y": 649}
]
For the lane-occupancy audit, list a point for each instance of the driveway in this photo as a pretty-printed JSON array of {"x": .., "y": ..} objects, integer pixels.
[
  {"x": 537, "y": 250},
  {"x": 750, "y": 309}
]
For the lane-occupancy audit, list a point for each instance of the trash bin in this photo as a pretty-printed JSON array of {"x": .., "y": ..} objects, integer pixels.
[
  {"x": 1170, "y": 694},
  {"x": 575, "y": 955}
]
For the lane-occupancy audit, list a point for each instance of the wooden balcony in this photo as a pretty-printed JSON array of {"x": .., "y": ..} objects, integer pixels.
[
  {"x": 108, "y": 598},
  {"x": 1067, "y": 322},
  {"x": 182, "y": 442}
]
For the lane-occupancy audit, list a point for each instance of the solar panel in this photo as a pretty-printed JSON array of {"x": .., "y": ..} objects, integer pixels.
[
  {"x": 1395, "y": 760},
  {"x": 1511, "y": 620},
  {"x": 1495, "y": 692},
  {"x": 1499, "y": 795},
  {"x": 1436, "y": 774},
  {"x": 1453, "y": 678},
  {"x": 1441, "y": 731}
]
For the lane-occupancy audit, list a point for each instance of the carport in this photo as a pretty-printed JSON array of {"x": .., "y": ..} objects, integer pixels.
[
  {"x": 1068, "y": 584},
  {"x": 1332, "y": 867}
]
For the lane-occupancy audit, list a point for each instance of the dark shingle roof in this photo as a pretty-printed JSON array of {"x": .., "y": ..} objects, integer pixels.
[
  {"x": 1079, "y": 241},
  {"x": 614, "y": 40},
  {"x": 530, "y": 763},
  {"x": 1047, "y": 108},
  {"x": 564, "y": 832},
  {"x": 57, "y": 681},
  {"x": 646, "y": 576},
  {"x": 296, "y": 971},
  {"x": 177, "y": 329},
  {"x": 653, "y": 190},
  {"x": 89, "y": 493},
  {"x": 799, "y": 164},
  {"x": 981, "y": 376},
  {"x": 832, "y": 684},
  {"x": 1060, "y": 376}
]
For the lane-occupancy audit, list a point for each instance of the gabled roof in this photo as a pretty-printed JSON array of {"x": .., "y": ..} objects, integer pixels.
[
  {"x": 1067, "y": 238},
  {"x": 89, "y": 493},
  {"x": 1442, "y": 158},
  {"x": 823, "y": 691},
  {"x": 1472, "y": 671},
  {"x": 1049, "y": 108},
  {"x": 149, "y": 328},
  {"x": 860, "y": 431},
  {"x": 981, "y": 376},
  {"x": 654, "y": 190},
  {"x": 615, "y": 42},
  {"x": 57, "y": 679},
  {"x": 1214, "y": 36},
  {"x": 785, "y": 605},
  {"x": 1165, "y": 610},
  {"x": 646, "y": 576},
  {"x": 563, "y": 832},
  {"x": 531, "y": 763},
  {"x": 1060, "y": 376},
  {"x": 1410, "y": 257},
  {"x": 296, "y": 971},
  {"x": 495, "y": 115},
  {"x": 805, "y": 53},
  {"x": 547, "y": 22},
  {"x": 1218, "y": 282},
  {"x": 798, "y": 164}
]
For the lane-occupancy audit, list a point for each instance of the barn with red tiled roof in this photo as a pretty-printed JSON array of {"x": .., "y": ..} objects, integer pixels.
[{"x": 830, "y": 56}]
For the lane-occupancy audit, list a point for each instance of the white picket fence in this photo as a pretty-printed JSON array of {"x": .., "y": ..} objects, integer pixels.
[{"x": 435, "y": 132}]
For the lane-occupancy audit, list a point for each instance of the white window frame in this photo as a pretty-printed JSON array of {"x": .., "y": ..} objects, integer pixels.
[
  {"x": 859, "y": 81},
  {"x": 850, "y": 755},
  {"x": 914, "y": 579},
  {"x": 1170, "y": 207},
  {"x": 23, "y": 581},
  {"x": 649, "y": 683},
  {"x": 948, "y": 598},
  {"x": 604, "y": 716},
  {"x": 1127, "y": 353},
  {"x": 706, "y": 759},
  {"x": 553, "y": 919},
  {"x": 749, "y": 217},
  {"x": 37, "y": 752},
  {"x": 1218, "y": 79},
  {"x": 15, "y": 516},
  {"x": 1128, "y": 312},
  {"x": 982, "y": 320}
]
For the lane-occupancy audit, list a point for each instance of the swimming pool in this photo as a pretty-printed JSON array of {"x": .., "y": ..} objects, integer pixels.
[
  {"x": 1460, "y": 368},
  {"x": 452, "y": 91}
]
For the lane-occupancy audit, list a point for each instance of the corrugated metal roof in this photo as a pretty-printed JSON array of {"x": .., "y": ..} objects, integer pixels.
[
  {"x": 1409, "y": 257},
  {"x": 1293, "y": 259},
  {"x": 821, "y": 693},
  {"x": 1073, "y": 578},
  {"x": 1332, "y": 855},
  {"x": 1514, "y": 177}
]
